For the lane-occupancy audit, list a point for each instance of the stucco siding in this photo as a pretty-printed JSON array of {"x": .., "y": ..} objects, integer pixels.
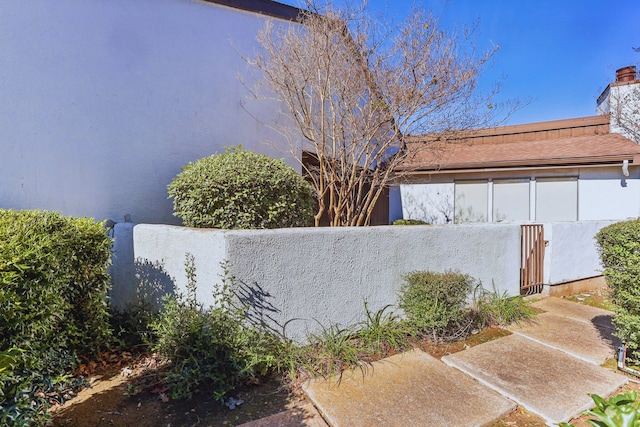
[
  {"x": 105, "y": 101},
  {"x": 608, "y": 194}
]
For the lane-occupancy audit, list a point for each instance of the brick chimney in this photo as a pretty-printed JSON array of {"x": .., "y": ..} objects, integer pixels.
[{"x": 626, "y": 74}]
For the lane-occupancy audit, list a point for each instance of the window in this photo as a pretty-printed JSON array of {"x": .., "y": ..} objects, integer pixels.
[
  {"x": 510, "y": 200},
  {"x": 470, "y": 201},
  {"x": 557, "y": 199}
]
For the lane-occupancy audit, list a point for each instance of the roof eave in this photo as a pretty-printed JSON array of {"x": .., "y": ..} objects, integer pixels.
[
  {"x": 633, "y": 159},
  {"x": 263, "y": 7}
]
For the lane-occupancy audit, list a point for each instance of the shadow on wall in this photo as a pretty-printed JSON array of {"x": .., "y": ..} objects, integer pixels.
[
  {"x": 153, "y": 282},
  {"x": 260, "y": 308}
]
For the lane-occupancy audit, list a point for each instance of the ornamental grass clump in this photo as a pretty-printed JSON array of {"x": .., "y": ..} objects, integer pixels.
[{"x": 241, "y": 189}]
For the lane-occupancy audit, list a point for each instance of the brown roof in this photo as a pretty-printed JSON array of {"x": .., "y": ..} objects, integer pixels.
[{"x": 573, "y": 142}]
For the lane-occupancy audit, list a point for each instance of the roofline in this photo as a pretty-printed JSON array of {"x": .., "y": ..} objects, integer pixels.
[
  {"x": 263, "y": 7},
  {"x": 505, "y": 169},
  {"x": 542, "y": 126},
  {"x": 552, "y": 125}
]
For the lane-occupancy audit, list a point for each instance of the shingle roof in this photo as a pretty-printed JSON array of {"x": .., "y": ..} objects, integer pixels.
[{"x": 574, "y": 142}]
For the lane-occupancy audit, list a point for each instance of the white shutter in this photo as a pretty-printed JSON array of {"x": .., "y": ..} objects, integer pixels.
[
  {"x": 557, "y": 199},
  {"x": 511, "y": 200},
  {"x": 471, "y": 201}
]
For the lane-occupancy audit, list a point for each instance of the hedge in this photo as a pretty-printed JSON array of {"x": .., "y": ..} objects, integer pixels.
[
  {"x": 53, "y": 300},
  {"x": 619, "y": 248}
]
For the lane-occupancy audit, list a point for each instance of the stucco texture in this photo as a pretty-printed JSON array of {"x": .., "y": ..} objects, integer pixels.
[
  {"x": 306, "y": 277},
  {"x": 105, "y": 101}
]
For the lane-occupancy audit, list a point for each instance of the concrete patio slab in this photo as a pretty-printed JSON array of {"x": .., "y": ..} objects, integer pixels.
[
  {"x": 594, "y": 315},
  {"x": 581, "y": 339},
  {"x": 545, "y": 381},
  {"x": 407, "y": 389}
]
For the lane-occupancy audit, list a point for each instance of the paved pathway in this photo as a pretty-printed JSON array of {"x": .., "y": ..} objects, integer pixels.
[{"x": 548, "y": 367}]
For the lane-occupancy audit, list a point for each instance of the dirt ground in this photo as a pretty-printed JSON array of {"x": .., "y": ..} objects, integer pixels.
[
  {"x": 132, "y": 396},
  {"x": 125, "y": 391}
]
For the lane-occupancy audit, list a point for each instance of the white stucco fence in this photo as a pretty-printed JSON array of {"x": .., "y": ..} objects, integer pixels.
[
  {"x": 324, "y": 275},
  {"x": 571, "y": 253}
]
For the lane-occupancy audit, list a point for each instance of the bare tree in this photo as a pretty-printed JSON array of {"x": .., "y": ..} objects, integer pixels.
[{"x": 354, "y": 87}]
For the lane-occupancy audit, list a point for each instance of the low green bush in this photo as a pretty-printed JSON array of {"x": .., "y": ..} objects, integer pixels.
[
  {"x": 214, "y": 347},
  {"x": 619, "y": 248},
  {"x": 436, "y": 304},
  {"x": 409, "y": 222},
  {"x": 53, "y": 302},
  {"x": 620, "y": 410},
  {"x": 132, "y": 325},
  {"x": 241, "y": 189}
]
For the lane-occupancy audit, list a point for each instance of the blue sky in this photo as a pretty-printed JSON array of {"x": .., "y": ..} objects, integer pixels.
[{"x": 560, "y": 54}]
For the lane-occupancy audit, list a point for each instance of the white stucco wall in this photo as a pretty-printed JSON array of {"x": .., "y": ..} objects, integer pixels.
[
  {"x": 608, "y": 194},
  {"x": 325, "y": 274},
  {"x": 162, "y": 252},
  {"x": 103, "y": 102},
  {"x": 571, "y": 253}
]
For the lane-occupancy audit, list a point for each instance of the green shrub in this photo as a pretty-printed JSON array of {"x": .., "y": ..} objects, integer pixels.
[
  {"x": 619, "y": 248},
  {"x": 53, "y": 291},
  {"x": 409, "y": 222},
  {"x": 436, "y": 303},
  {"x": 132, "y": 325},
  {"x": 241, "y": 189},
  {"x": 215, "y": 346}
]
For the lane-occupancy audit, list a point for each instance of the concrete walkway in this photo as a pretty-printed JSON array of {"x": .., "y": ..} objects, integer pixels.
[{"x": 548, "y": 367}]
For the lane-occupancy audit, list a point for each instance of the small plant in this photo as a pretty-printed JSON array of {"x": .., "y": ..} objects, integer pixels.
[
  {"x": 132, "y": 325},
  {"x": 241, "y": 189},
  {"x": 8, "y": 359},
  {"x": 213, "y": 346},
  {"x": 333, "y": 349},
  {"x": 436, "y": 304},
  {"x": 617, "y": 411},
  {"x": 382, "y": 331},
  {"x": 409, "y": 222}
]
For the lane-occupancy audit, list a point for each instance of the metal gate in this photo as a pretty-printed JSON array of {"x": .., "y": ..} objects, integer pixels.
[{"x": 532, "y": 258}]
